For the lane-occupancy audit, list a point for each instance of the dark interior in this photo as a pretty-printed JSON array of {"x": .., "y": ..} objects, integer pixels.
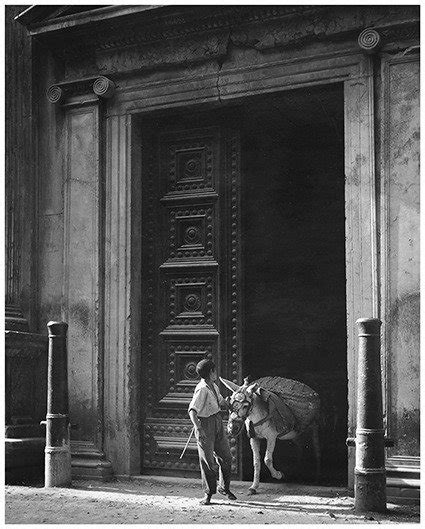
[{"x": 294, "y": 262}]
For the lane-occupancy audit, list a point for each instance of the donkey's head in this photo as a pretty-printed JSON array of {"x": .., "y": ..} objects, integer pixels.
[{"x": 241, "y": 402}]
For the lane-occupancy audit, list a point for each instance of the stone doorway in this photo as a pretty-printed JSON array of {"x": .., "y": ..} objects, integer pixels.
[{"x": 243, "y": 261}]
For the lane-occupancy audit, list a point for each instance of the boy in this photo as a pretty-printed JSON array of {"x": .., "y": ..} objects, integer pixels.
[{"x": 204, "y": 412}]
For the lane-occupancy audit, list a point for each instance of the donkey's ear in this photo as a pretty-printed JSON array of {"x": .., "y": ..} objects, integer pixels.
[
  {"x": 229, "y": 384},
  {"x": 258, "y": 390},
  {"x": 252, "y": 388}
]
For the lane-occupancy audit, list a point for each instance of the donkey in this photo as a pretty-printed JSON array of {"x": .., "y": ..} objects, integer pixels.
[{"x": 266, "y": 416}]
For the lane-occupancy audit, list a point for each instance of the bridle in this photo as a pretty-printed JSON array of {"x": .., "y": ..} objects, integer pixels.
[
  {"x": 237, "y": 403},
  {"x": 238, "y": 400},
  {"x": 237, "y": 406}
]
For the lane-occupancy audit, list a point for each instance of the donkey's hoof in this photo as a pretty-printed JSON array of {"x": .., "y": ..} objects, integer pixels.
[
  {"x": 278, "y": 475},
  {"x": 251, "y": 492}
]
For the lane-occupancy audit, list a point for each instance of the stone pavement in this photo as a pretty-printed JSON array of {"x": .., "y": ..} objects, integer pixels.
[{"x": 156, "y": 500}]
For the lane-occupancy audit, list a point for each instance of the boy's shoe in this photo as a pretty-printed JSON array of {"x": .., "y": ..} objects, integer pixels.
[
  {"x": 227, "y": 493},
  {"x": 206, "y": 500}
]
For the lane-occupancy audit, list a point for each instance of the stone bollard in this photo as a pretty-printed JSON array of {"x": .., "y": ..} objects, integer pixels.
[
  {"x": 57, "y": 451},
  {"x": 369, "y": 473}
]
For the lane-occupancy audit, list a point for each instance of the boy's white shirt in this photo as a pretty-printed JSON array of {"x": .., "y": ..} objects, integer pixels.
[{"x": 204, "y": 402}]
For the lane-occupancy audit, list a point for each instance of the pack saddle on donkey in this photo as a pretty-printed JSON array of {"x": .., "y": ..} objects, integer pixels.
[{"x": 273, "y": 408}]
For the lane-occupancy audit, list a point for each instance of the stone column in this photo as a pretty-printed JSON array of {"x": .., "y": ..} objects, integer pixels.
[
  {"x": 57, "y": 451},
  {"x": 369, "y": 473}
]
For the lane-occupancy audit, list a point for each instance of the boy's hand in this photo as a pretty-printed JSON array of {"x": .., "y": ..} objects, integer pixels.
[
  {"x": 225, "y": 404},
  {"x": 200, "y": 434}
]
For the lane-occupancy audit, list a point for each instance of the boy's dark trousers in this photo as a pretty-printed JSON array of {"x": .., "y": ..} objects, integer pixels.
[{"x": 216, "y": 444}]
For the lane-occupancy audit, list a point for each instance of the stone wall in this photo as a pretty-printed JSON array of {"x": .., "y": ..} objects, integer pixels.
[{"x": 19, "y": 186}]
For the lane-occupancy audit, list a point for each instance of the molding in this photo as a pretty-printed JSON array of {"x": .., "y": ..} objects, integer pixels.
[
  {"x": 172, "y": 265},
  {"x": 176, "y": 400},
  {"x": 384, "y": 245},
  {"x": 167, "y": 444},
  {"x": 32, "y": 17},
  {"x": 165, "y": 24},
  {"x": 190, "y": 331},
  {"x": 239, "y": 82},
  {"x": 87, "y": 462},
  {"x": 234, "y": 365},
  {"x": 149, "y": 193},
  {"x": 85, "y": 449},
  {"x": 172, "y": 200},
  {"x": 165, "y": 438}
]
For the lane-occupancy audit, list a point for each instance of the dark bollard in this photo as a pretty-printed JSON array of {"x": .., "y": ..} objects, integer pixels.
[
  {"x": 57, "y": 452},
  {"x": 369, "y": 473}
]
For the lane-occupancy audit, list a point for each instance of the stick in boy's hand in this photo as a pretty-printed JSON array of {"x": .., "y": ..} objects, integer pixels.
[{"x": 187, "y": 442}]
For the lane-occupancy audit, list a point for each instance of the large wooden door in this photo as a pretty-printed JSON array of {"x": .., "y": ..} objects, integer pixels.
[{"x": 190, "y": 289}]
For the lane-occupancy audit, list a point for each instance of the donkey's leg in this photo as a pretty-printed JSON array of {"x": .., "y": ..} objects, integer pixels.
[
  {"x": 316, "y": 448},
  {"x": 255, "y": 446},
  {"x": 268, "y": 458}
]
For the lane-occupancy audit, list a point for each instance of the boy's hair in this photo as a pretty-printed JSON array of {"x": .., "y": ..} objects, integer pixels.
[{"x": 204, "y": 368}]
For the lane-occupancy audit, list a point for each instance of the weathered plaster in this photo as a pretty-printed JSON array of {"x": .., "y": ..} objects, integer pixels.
[
  {"x": 401, "y": 251},
  {"x": 81, "y": 286}
]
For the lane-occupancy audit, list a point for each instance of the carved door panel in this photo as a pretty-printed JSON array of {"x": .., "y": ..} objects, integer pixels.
[{"x": 190, "y": 289}]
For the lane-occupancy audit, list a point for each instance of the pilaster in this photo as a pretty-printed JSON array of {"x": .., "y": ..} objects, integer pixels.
[
  {"x": 122, "y": 296},
  {"x": 83, "y": 278},
  {"x": 361, "y": 227}
]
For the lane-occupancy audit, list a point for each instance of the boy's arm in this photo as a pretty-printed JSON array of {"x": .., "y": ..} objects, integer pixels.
[
  {"x": 199, "y": 431},
  {"x": 224, "y": 403},
  {"x": 196, "y": 404}
]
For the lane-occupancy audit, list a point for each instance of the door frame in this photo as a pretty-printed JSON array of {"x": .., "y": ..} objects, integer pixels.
[{"x": 123, "y": 120}]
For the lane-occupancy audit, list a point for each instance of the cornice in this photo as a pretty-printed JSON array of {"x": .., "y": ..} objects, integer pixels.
[
  {"x": 186, "y": 34},
  {"x": 162, "y": 25},
  {"x": 36, "y": 18},
  {"x": 178, "y": 22}
]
